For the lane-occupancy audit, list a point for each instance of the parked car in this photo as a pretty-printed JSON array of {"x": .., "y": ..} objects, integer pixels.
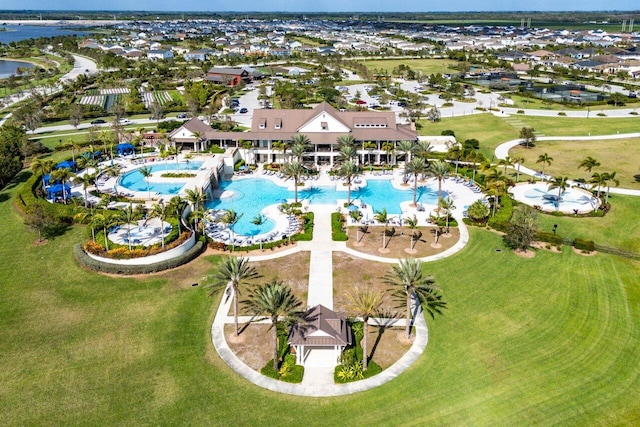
[
  {"x": 182, "y": 116},
  {"x": 98, "y": 122},
  {"x": 243, "y": 110},
  {"x": 124, "y": 121}
]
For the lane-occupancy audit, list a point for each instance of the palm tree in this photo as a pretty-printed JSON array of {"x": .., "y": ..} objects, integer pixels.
[
  {"x": 561, "y": 183},
  {"x": 412, "y": 223},
  {"x": 598, "y": 180},
  {"x": 505, "y": 163},
  {"x": 416, "y": 166},
  {"x": 455, "y": 153},
  {"x": 231, "y": 218},
  {"x": 259, "y": 220},
  {"x": 518, "y": 160},
  {"x": 365, "y": 303},
  {"x": 407, "y": 148},
  {"x": 609, "y": 178},
  {"x": 159, "y": 210},
  {"x": 146, "y": 173},
  {"x": 295, "y": 170},
  {"x": 355, "y": 216},
  {"x": 447, "y": 205},
  {"x": 299, "y": 149},
  {"x": 349, "y": 170},
  {"x": 589, "y": 163},
  {"x": 423, "y": 149},
  {"x": 407, "y": 277},
  {"x": 388, "y": 148},
  {"x": 383, "y": 217},
  {"x": 347, "y": 153},
  {"x": 368, "y": 146},
  {"x": 439, "y": 170},
  {"x": 235, "y": 273},
  {"x": 86, "y": 180},
  {"x": 195, "y": 197},
  {"x": 64, "y": 175},
  {"x": 345, "y": 140},
  {"x": 281, "y": 146},
  {"x": 41, "y": 167},
  {"x": 127, "y": 216},
  {"x": 175, "y": 206},
  {"x": 544, "y": 159},
  {"x": 276, "y": 301}
]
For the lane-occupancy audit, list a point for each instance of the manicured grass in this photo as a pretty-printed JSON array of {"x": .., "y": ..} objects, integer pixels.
[
  {"x": 568, "y": 126},
  {"x": 427, "y": 66},
  {"x": 619, "y": 155},
  {"x": 490, "y": 130},
  {"x": 549, "y": 340},
  {"x": 620, "y": 228},
  {"x": 535, "y": 103}
]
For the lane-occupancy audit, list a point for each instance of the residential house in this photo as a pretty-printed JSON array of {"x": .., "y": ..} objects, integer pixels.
[{"x": 156, "y": 55}]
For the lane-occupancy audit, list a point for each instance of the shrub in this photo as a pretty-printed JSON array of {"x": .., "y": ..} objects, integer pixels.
[
  {"x": 501, "y": 219},
  {"x": 338, "y": 233},
  {"x": 289, "y": 372},
  {"x": 307, "y": 228},
  {"x": 584, "y": 245},
  {"x": 520, "y": 112},
  {"x": 562, "y": 113},
  {"x": 634, "y": 113},
  {"x": 104, "y": 267},
  {"x": 601, "y": 115},
  {"x": 238, "y": 164},
  {"x": 216, "y": 150},
  {"x": 545, "y": 236},
  {"x": 448, "y": 132}
]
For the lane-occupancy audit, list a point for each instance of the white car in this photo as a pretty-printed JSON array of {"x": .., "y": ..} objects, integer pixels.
[{"x": 124, "y": 121}]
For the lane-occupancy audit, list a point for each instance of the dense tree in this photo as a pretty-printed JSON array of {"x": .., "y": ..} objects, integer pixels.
[
  {"x": 522, "y": 228},
  {"x": 11, "y": 140}
]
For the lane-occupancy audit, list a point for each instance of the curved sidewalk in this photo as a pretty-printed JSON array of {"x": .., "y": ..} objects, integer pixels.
[
  {"x": 229, "y": 357},
  {"x": 502, "y": 151}
]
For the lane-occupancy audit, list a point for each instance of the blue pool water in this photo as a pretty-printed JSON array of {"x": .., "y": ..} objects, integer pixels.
[
  {"x": 252, "y": 195},
  {"x": 134, "y": 180}
]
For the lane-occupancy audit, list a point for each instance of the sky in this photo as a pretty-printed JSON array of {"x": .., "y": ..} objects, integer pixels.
[{"x": 326, "y": 5}]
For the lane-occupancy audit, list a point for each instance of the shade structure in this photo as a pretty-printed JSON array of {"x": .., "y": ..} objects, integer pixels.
[
  {"x": 125, "y": 149},
  {"x": 67, "y": 164},
  {"x": 58, "y": 190}
]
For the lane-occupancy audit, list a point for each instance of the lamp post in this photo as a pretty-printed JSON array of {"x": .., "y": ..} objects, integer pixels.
[{"x": 555, "y": 227}]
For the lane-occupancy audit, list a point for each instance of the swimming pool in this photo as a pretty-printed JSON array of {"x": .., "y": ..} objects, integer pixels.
[
  {"x": 252, "y": 195},
  {"x": 134, "y": 181}
]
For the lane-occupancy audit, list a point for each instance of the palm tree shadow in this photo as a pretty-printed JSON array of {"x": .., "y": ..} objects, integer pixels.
[
  {"x": 384, "y": 320},
  {"x": 390, "y": 233}
]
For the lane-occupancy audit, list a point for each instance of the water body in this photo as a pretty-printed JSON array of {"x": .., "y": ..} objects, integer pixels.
[
  {"x": 11, "y": 67},
  {"x": 14, "y": 33}
]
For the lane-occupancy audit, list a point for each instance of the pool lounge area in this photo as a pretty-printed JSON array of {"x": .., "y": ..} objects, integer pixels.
[{"x": 572, "y": 201}]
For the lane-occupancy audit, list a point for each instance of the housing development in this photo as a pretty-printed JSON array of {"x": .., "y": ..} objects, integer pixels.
[{"x": 388, "y": 218}]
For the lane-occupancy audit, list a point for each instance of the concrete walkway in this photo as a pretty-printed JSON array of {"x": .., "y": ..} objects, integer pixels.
[
  {"x": 318, "y": 383},
  {"x": 502, "y": 151}
]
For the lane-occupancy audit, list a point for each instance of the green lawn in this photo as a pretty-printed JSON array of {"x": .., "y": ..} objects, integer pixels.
[
  {"x": 549, "y": 340},
  {"x": 490, "y": 130},
  {"x": 567, "y": 126},
  {"x": 427, "y": 66},
  {"x": 619, "y": 155},
  {"x": 620, "y": 228},
  {"x": 534, "y": 103}
]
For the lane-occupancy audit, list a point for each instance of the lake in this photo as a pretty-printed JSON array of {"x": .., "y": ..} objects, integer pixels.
[
  {"x": 10, "y": 67},
  {"x": 14, "y": 33}
]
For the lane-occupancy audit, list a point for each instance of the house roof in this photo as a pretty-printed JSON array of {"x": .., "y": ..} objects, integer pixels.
[{"x": 321, "y": 327}]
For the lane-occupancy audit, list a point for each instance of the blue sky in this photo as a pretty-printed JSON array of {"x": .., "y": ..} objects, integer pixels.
[{"x": 328, "y": 5}]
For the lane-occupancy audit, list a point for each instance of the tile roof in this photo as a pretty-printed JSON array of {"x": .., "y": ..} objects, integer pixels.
[{"x": 322, "y": 327}]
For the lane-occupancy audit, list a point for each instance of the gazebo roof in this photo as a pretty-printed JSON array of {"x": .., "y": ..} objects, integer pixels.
[{"x": 321, "y": 327}]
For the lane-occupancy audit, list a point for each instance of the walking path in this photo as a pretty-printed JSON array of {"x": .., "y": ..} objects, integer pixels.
[
  {"x": 502, "y": 151},
  {"x": 318, "y": 382}
]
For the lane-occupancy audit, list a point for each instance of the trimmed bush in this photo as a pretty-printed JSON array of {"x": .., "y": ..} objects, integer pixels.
[
  {"x": 338, "y": 233},
  {"x": 104, "y": 267},
  {"x": 289, "y": 372},
  {"x": 584, "y": 245},
  {"x": 562, "y": 113},
  {"x": 545, "y": 236},
  {"x": 307, "y": 228},
  {"x": 501, "y": 219},
  {"x": 520, "y": 112}
]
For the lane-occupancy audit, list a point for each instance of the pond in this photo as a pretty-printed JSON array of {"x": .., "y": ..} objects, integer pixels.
[{"x": 11, "y": 67}]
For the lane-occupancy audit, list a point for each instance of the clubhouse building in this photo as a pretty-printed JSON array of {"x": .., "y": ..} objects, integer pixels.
[{"x": 378, "y": 131}]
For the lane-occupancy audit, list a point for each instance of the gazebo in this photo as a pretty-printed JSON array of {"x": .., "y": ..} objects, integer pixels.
[
  {"x": 125, "y": 149},
  {"x": 318, "y": 341}
]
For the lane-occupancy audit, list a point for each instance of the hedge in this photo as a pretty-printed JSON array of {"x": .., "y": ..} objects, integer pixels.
[
  {"x": 293, "y": 376},
  {"x": 307, "y": 228},
  {"x": 104, "y": 267},
  {"x": 545, "y": 236},
  {"x": 584, "y": 245},
  {"x": 338, "y": 233},
  {"x": 501, "y": 219},
  {"x": 26, "y": 197}
]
